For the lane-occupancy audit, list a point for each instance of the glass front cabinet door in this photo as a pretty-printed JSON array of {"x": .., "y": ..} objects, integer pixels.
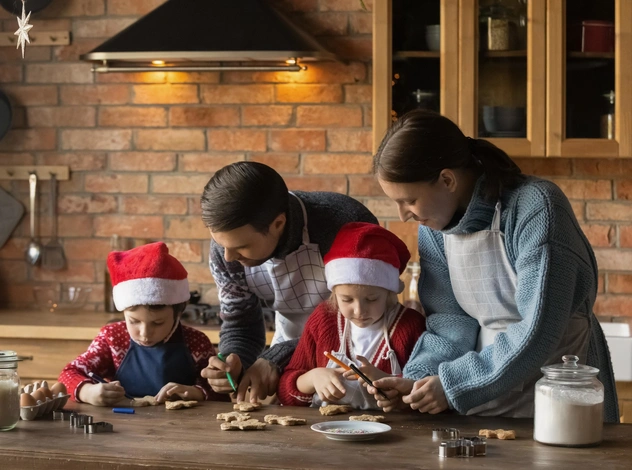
[{"x": 589, "y": 78}]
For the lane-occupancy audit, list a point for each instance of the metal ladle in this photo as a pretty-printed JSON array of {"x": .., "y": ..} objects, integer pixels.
[{"x": 34, "y": 250}]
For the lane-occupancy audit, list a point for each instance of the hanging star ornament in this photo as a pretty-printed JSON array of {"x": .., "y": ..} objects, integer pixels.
[{"x": 23, "y": 29}]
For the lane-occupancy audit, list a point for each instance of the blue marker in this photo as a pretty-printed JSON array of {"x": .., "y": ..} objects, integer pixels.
[
  {"x": 127, "y": 411},
  {"x": 97, "y": 378}
]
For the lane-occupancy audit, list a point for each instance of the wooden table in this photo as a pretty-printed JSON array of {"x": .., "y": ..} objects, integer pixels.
[{"x": 191, "y": 439}]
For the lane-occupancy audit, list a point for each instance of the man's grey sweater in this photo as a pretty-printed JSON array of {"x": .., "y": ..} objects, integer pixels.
[{"x": 243, "y": 330}]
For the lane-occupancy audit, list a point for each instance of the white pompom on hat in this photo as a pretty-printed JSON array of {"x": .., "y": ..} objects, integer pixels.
[
  {"x": 147, "y": 275},
  {"x": 366, "y": 254}
]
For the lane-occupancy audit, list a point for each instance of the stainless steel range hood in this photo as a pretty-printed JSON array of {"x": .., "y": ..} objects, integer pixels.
[{"x": 199, "y": 35}]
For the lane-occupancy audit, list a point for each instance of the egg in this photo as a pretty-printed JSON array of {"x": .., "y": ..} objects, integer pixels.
[
  {"x": 47, "y": 393},
  {"x": 39, "y": 395},
  {"x": 58, "y": 388},
  {"x": 27, "y": 400},
  {"x": 44, "y": 384}
]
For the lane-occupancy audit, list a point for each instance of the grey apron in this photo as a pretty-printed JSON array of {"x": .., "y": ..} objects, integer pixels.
[
  {"x": 292, "y": 286},
  {"x": 484, "y": 284}
]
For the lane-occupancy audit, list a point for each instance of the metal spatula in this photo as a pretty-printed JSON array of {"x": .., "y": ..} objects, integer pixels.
[{"x": 53, "y": 257}]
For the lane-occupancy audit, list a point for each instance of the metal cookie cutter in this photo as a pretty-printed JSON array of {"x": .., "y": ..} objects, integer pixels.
[
  {"x": 101, "y": 426},
  {"x": 79, "y": 420},
  {"x": 445, "y": 434},
  {"x": 62, "y": 415},
  {"x": 464, "y": 447},
  {"x": 450, "y": 448}
]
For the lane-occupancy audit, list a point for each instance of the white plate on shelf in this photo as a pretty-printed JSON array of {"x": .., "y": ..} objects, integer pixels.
[{"x": 351, "y": 430}]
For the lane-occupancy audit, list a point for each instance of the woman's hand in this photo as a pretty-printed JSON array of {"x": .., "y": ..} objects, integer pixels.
[
  {"x": 427, "y": 396},
  {"x": 394, "y": 388},
  {"x": 183, "y": 391},
  {"x": 107, "y": 394},
  {"x": 367, "y": 369},
  {"x": 326, "y": 382}
]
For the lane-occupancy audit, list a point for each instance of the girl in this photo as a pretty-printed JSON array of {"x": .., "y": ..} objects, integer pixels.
[
  {"x": 362, "y": 322},
  {"x": 509, "y": 279},
  {"x": 150, "y": 353}
]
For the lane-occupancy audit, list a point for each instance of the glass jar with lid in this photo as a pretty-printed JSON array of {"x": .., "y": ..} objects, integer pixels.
[
  {"x": 569, "y": 405},
  {"x": 9, "y": 390}
]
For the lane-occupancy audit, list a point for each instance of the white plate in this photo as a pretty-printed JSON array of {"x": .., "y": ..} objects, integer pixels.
[{"x": 351, "y": 430}]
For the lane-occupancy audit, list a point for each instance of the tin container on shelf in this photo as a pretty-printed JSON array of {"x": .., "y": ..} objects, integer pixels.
[
  {"x": 569, "y": 405},
  {"x": 591, "y": 36}
]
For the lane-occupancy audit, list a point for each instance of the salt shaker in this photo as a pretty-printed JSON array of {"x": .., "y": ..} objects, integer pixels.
[
  {"x": 9, "y": 390},
  {"x": 569, "y": 405}
]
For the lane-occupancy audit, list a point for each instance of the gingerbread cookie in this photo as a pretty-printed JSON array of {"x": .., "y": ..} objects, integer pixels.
[
  {"x": 147, "y": 400},
  {"x": 248, "y": 425},
  {"x": 498, "y": 433},
  {"x": 233, "y": 416},
  {"x": 284, "y": 420},
  {"x": 508, "y": 434},
  {"x": 374, "y": 419},
  {"x": 330, "y": 410},
  {"x": 245, "y": 406},
  {"x": 176, "y": 405}
]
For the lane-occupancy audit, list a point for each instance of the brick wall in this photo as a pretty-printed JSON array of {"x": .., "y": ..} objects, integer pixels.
[{"x": 142, "y": 146}]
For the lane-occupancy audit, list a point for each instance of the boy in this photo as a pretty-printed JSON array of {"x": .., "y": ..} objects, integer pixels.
[{"x": 150, "y": 353}]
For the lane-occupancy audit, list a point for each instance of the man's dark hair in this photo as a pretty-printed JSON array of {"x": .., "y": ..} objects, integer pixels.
[{"x": 243, "y": 193}]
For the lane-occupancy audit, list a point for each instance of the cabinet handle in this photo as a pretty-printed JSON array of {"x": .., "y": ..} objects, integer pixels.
[{"x": 25, "y": 358}]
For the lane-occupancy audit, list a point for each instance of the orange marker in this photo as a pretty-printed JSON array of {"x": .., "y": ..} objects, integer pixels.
[{"x": 337, "y": 361}]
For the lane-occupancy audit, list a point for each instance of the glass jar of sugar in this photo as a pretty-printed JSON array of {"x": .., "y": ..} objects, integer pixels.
[
  {"x": 569, "y": 405},
  {"x": 9, "y": 390}
]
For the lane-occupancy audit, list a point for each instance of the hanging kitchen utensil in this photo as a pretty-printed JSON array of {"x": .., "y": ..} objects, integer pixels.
[
  {"x": 15, "y": 6},
  {"x": 11, "y": 212},
  {"x": 33, "y": 251},
  {"x": 53, "y": 257},
  {"x": 6, "y": 114}
]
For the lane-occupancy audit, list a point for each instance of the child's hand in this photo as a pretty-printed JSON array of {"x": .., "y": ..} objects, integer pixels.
[
  {"x": 106, "y": 394},
  {"x": 216, "y": 370},
  {"x": 183, "y": 391},
  {"x": 394, "y": 388},
  {"x": 427, "y": 396},
  {"x": 326, "y": 382}
]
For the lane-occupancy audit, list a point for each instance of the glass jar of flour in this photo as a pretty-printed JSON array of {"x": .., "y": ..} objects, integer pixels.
[
  {"x": 568, "y": 405},
  {"x": 9, "y": 390}
]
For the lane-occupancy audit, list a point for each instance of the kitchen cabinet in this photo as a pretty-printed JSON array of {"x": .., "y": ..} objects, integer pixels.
[{"x": 535, "y": 77}]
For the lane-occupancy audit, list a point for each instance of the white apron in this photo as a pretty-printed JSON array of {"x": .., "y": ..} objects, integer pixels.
[
  {"x": 292, "y": 286},
  {"x": 484, "y": 284},
  {"x": 357, "y": 396}
]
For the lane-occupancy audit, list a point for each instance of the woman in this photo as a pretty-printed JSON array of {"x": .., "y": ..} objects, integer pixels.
[{"x": 508, "y": 282}]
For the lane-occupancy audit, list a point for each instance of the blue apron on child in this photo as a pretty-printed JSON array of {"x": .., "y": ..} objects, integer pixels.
[{"x": 145, "y": 370}]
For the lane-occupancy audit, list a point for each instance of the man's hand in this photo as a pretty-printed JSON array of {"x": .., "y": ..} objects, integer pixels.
[
  {"x": 216, "y": 371},
  {"x": 262, "y": 378},
  {"x": 427, "y": 396}
]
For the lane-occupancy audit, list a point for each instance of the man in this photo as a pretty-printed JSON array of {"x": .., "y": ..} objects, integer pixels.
[{"x": 267, "y": 246}]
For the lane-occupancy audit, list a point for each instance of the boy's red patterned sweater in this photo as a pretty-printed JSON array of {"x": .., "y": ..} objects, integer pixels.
[
  {"x": 108, "y": 349},
  {"x": 322, "y": 334}
]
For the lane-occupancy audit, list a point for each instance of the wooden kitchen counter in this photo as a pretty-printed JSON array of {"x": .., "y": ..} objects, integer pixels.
[
  {"x": 72, "y": 326},
  {"x": 191, "y": 439}
]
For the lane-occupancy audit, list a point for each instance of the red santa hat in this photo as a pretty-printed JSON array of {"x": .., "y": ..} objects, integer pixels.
[
  {"x": 366, "y": 254},
  {"x": 147, "y": 275}
]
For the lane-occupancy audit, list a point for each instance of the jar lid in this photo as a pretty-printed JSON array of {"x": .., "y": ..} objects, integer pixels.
[
  {"x": 8, "y": 356},
  {"x": 570, "y": 369}
]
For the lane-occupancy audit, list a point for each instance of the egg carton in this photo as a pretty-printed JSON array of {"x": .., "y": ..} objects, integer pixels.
[{"x": 29, "y": 413}]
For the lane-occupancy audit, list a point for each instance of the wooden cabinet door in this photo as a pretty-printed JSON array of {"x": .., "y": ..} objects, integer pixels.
[
  {"x": 581, "y": 72},
  {"x": 418, "y": 52},
  {"x": 502, "y": 73}
]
